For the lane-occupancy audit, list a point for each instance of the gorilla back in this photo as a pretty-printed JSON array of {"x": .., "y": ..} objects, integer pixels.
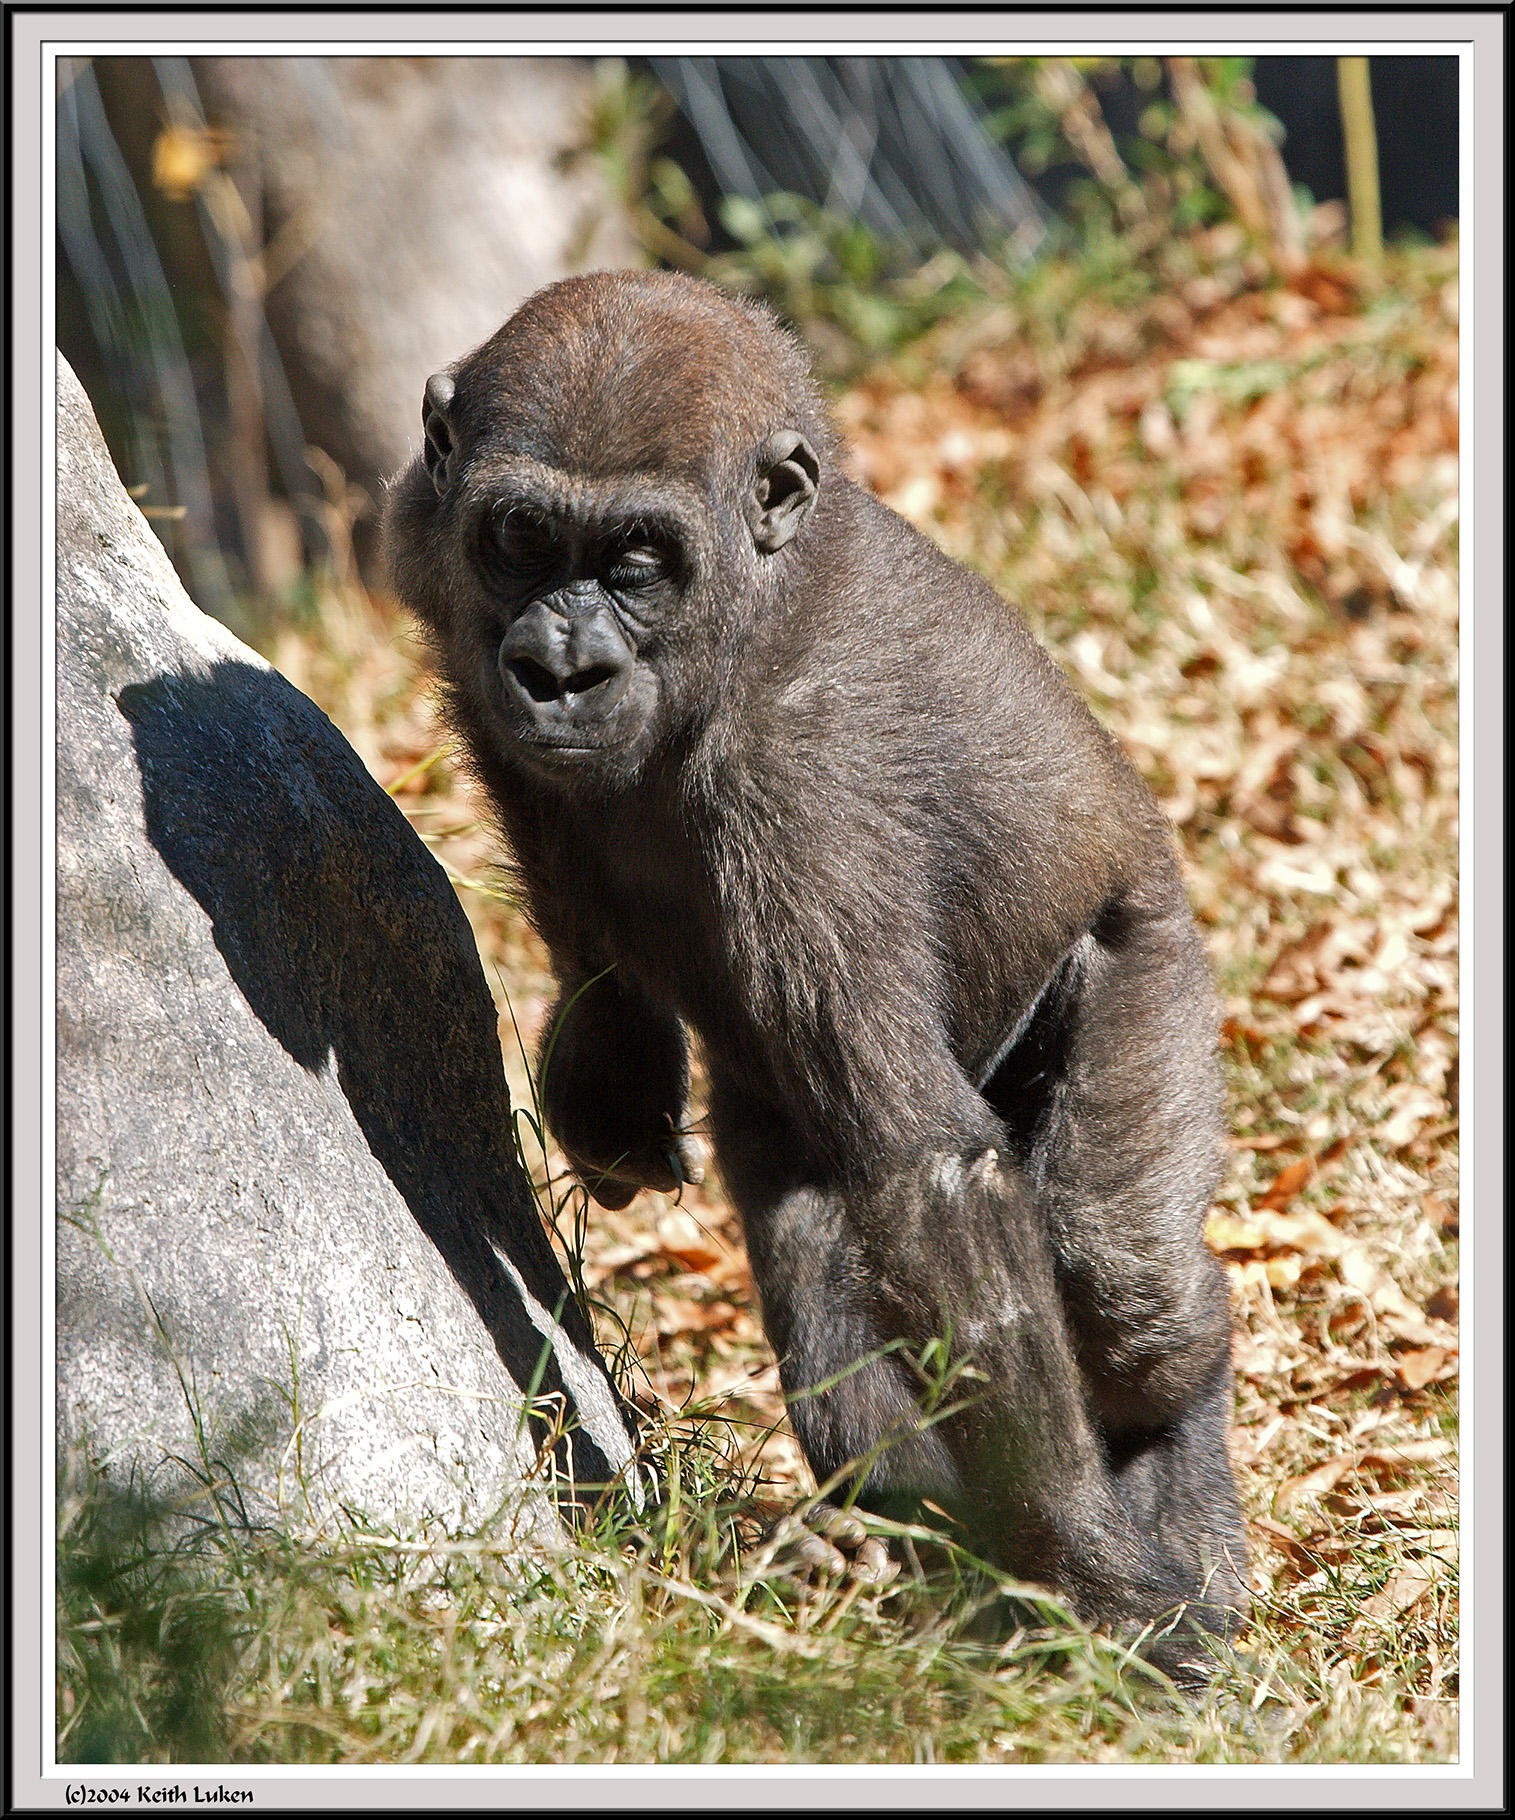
[{"x": 774, "y": 769}]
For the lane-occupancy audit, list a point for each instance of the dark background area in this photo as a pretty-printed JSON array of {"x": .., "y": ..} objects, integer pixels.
[
  {"x": 1415, "y": 101},
  {"x": 1415, "y": 109}
]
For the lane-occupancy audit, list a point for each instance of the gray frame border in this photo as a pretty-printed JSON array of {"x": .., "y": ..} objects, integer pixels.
[{"x": 1476, "y": 1783}]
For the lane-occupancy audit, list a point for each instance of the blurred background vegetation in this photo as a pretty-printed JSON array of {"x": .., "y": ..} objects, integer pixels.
[
  {"x": 1128, "y": 336},
  {"x": 252, "y": 250}
]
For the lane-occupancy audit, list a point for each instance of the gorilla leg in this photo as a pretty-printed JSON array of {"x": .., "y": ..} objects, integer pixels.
[
  {"x": 851, "y": 1396},
  {"x": 1126, "y": 1154},
  {"x": 951, "y": 1248},
  {"x": 1178, "y": 1485}
]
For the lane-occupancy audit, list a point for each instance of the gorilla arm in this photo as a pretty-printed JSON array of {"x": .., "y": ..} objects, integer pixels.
[{"x": 613, "y": 1069}]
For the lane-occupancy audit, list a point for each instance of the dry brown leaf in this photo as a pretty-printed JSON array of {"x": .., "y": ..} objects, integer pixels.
[
  {"x": 1245, "y": 1030},
  {"x": 1414, "y": 1106},
  {"x": 1260, "y": 1358},
  {"x": 681, "y": 1238},
  {"x": 1389, "y": 1303},
  {"x": 1321, "y": 1376},
  {"x": 1443, "y": 1306},
  {"x": 1286, "y": 1184},
  {"x": 678, "y": 1315},
  {"x": 1425, "y": 1366},
  {"x": 1311, "y": 1484},
  {"x": 1444, "y": 1218},
  {"x": 1442, "y": 1545},
  {"x": 1330, "y": 1473},
  {"x": 1281, "y": 1538},
  {"x": 1406, "y": 1587},
  {"x": 1291, "y": 870},
  {"x": 1304, "y": 1555},
  {"x": 618, "y": 1257},
  {"x": 1336, "y": 1149},
  {"x": 1265, "y": 1230},
  {"x": 1263, "y": 764}
]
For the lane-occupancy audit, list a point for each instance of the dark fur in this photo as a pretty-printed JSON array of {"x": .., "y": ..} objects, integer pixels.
[{"x": 851, "y": 826}]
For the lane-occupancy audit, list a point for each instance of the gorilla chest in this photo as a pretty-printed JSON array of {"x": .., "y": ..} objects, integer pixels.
[{"x": 643, "y": 899}]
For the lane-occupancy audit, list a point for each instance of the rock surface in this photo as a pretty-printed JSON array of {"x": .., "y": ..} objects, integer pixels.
[
  {"x": 426, "y": 196},
  {"x": 295, "y": 1251}
]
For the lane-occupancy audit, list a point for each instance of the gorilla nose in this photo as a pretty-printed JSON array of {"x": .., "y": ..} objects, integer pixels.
[{"x": 563, "y": 669}]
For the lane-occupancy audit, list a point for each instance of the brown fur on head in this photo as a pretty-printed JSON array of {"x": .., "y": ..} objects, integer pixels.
[{"x": 641, "y": 371}]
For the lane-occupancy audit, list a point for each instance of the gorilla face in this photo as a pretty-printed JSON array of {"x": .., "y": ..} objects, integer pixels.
[
  {"x": 598, "y": 606},
  {"x": 580, "y": 602}
]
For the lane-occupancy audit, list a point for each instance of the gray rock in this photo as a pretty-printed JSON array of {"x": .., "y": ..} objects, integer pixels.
[
  {"x": 425, "y": 197},
  {"x": 295, "y": 1251}
]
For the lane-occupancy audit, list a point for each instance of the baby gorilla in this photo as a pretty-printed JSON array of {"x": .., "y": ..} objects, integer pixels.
[{"x": 775, "y": 769}]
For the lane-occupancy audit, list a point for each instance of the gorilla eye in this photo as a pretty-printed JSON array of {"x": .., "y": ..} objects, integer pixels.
[
  {"x": 637, "y": 562},
  {"x": 527, "y": 539},
  {"x": 519, "y": 546}
]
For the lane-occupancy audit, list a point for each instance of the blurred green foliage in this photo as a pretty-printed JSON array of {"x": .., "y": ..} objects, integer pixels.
[
  {"x": 1049, "y": 112},
  {"x": 855, "y": 296},
  {"x": 1200, "y": 154}
]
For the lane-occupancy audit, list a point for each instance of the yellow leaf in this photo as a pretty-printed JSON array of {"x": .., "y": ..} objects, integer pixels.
[
  {"x": 1284, "y": 1271},
  {"x": 1267, "y": 1231},
  {"x": 183, "y": 157},
  {"x": 1417, "y": 1369}
]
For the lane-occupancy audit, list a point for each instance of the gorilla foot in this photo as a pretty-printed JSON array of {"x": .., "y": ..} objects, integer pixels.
[
  {"x": 817, "y": 1541},
  {"x": 1191, "y": 1647}
]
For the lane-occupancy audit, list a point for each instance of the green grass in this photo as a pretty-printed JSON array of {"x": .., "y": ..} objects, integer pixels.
[{"x": 640, "y": 1642}]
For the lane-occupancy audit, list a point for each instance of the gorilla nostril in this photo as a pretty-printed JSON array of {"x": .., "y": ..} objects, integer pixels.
[
  {"x": 561, "y": 667},
  {"x": 582, "y": 681},
  {"x": 536, "y": 680}
]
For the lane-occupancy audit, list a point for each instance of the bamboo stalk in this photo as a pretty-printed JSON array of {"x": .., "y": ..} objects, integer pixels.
[{"x": 1361, "y": 142}]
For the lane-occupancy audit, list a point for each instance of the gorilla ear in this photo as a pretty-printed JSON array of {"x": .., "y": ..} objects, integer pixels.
[
  {"x": 788, "y": 476},
  {"x": 435, "y": 422}
]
